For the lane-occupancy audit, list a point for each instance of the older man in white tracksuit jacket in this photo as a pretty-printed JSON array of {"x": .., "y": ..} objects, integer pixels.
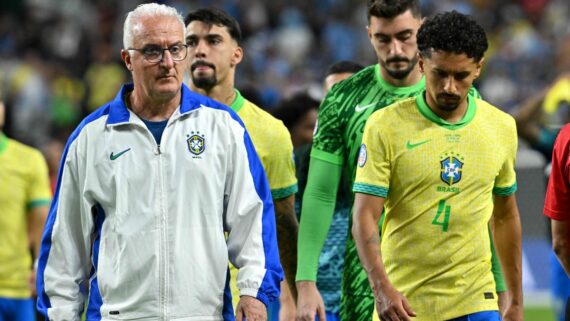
[{"x": 142, "y": 228}]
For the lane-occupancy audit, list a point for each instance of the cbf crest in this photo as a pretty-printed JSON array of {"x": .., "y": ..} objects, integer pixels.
[
  {"x": 451, "y": 168},
  {"x": 196, "y": 143}
]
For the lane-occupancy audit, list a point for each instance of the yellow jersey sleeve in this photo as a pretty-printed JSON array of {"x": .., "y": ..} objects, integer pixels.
[
  {"x": 39, "y": 193},
  {"x": 373, "y": 171},
  {"x": 505, "y": 183},
  {"x": 273, "y": 145},
  {"x": 279, "y": 165}
]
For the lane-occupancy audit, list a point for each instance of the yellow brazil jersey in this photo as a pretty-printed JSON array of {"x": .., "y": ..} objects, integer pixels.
[
  {"x": 272, "y": 142},
  {"x": 273, "y": 145},
  {"x": 24, "y": 184},
  {"x": 438, "y": 180}
]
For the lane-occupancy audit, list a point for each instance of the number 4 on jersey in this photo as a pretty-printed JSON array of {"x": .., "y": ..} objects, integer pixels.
[{"x": 441, "y": 209}]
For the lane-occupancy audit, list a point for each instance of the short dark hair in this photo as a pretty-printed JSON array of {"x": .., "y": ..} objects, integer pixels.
[
  {"x": 452, "y": 32},
  {"x": 389, "y": 9},
  {"x": 343, "y": 66},
  {"x": 215, "y": 16},
  {"x": 292, "y": 110}
]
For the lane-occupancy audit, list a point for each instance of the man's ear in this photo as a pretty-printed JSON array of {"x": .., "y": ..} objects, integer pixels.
[
  {"x": 421, "y": 62},
  {"x": 479, "y": 67},
  {"x": 237, "y": 56},
  {"x": 126, "y": 57}
]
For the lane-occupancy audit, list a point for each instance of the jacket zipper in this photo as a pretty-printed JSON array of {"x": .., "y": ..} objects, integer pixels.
[
  {"x": 163, "y": 248},
  {"x": 162, "y": 244},
  {"x": 163, "y": 255}
]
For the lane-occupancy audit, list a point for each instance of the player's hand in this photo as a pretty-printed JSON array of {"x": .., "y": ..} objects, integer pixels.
[
  {"x": 393, "y": 306},
  {"x": 502, "y": 300},
  {"x": 287, "y": 311},
  {"x": 250, "y": 308},
  {"x": 513, "y": 313},
  {"x": 309, "y": 302}
]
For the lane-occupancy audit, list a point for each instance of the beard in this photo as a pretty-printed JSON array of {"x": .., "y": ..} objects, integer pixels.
[
  {"x": 448, "y": 102},
  {"x": 203, "y": 82},
  {"x": 399, "y": 73}
]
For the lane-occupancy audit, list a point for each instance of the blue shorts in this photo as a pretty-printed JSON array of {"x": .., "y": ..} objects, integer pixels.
[
  {"x": 480, "y": 316},
  {"x": 17, "y": 310}
]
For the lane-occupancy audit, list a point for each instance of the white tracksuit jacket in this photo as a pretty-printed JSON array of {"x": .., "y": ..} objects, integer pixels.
[{"x": 144, "y": 224}]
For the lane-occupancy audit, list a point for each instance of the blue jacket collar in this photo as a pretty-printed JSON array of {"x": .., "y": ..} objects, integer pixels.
[{"x": 119, "y": 112}]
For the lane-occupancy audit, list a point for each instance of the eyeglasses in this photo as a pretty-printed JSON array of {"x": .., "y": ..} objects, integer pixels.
[{"x": 154, "y": 53}]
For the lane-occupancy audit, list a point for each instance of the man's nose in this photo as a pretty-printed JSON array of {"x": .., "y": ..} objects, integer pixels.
[
  {"x": 449, "y": 86},
  {"x": 396, "y": 48},
  {"x": 201, "y": 50},
  {"x": 167, "y": 60}
]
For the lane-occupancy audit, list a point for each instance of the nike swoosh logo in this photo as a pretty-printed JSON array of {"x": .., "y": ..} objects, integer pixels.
[
  {"x": 412, "y": 145},
  {"x": 359, "y": 108},
  {"x": 115, "y": 156}
]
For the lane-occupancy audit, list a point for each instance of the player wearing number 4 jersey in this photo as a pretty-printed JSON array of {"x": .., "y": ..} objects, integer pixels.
[
  {"x": 442, "y": 165},
  {"x": 392, "y": 31}
]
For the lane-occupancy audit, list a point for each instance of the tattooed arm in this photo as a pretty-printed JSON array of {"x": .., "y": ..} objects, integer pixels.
[{"x": 390, "y": 304}]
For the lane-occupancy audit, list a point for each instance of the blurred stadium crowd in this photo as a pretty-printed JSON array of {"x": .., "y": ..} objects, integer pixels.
[{"x": 60, "y": 59}]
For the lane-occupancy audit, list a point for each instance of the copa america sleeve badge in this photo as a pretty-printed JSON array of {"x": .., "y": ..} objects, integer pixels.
[{"x": 362, "y": 155}]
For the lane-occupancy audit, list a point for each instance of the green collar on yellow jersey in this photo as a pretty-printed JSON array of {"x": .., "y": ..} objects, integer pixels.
[
  {"x": 398, "y": 90},
  {"x": 429, "y": 114},
  {"x": 3, "y": 142},
  {"x": 238, "y": 102}
]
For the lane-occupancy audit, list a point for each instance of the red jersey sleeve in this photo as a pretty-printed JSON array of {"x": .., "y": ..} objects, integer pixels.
[{"x": 557, "y": 202}]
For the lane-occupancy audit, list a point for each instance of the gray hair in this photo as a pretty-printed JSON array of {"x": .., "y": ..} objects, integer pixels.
[{"x": 147, "y": 10}]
